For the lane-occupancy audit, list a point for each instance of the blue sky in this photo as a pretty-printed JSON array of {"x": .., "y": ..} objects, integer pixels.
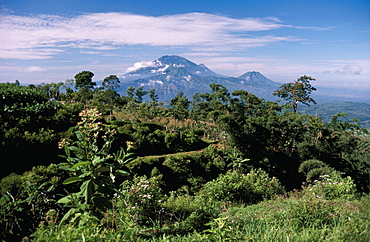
[{"x": 52, "y": 40}]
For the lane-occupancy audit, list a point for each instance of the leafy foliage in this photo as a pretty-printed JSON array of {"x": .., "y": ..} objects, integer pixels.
[
  {"x": 245, "y": 188},
  {"x": 91, "y": 163},
  {"x": 28, "y": 125},
  {"x": 27, "y": 199},
  {"x": 297, "y": 92},
  {"x": 143, "y": 198},
  {"x": 84, "y": 80},
  {"x": 333, "y": 186},
  {"x": 313, "y": 169},
  {"x": 180, "y": 106},
  {"x": 203, "y": 193}
]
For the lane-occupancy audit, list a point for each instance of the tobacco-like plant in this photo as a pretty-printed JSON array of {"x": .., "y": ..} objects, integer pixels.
[{"x": 91, "y": 164}]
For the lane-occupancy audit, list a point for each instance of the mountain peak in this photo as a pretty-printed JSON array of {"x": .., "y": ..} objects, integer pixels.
[
  {"x": 170, "y": 74},
  {"x": 251, "y": 73},
  {"x": 257, "y": 77},
  {"x": 175, "y": 59},
  {"x": 167, "y": 63}
]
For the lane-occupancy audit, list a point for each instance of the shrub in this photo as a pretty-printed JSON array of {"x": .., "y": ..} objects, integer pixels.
[
  {"x": 26, "y": 199},
  {"x": 143, "y": 199},
  {"x": 332, "y": 186},
  {"x": 313, "y": 169},
  {"x": 185, "y": 213},
  {"x": 154, "y": 139},
  {"x": 93, "y": 166},
  {"x": 144, "y": 165},
  {"x": 238, "y": 187},
  {"x": 192, "y": 169}
]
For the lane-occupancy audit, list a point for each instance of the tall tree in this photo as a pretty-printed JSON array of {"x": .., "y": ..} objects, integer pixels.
[
  {"x": 84, "y": 84},
  {"x": 140, "y": 93},
  {"x": 153, "y": 103},
  {"x": 52, "y": 90},
  {"x": 111, "y": 82},
  {"x": 130, "y": 94},
  {"x": 180, "y": 106},
  {"x": 296, "y": 92},
  {"x": 153, "y": 97},
  {"x": 84, "y": 80}
]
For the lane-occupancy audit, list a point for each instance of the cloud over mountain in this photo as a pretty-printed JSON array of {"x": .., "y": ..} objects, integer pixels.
[{"x": 141, "y": 64}]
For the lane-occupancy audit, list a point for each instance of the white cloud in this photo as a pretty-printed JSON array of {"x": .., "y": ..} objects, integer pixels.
[
  {"x": 352, "y": 69},
  {"x": 152, "y": 83},
  {"x": 43, "y": 36},
  {"x": 90, "y": 52},
  {"x": 141, "y": 64},
  {"x": 346, "y": 70},
  {"x": 33, "y": 69}
]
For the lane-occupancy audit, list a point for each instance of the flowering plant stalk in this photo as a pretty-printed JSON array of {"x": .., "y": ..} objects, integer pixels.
[{"x": 91, "y": 164}]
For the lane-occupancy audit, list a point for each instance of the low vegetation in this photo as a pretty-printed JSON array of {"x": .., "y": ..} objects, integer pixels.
[{"x": 88, "y": 165}]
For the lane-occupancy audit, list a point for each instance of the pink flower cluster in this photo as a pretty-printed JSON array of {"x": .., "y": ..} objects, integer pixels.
[
  {"x": 90, "y": 114},
  {"x": 130, "y": 144},
  {"x": 62, "y": 143}
]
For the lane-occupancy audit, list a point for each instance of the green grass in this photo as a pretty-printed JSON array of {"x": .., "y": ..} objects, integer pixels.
[{"x": 296, "y": 217}]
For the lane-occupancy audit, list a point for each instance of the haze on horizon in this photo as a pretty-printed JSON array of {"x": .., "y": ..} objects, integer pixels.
[{"x": 51, "y": 41}]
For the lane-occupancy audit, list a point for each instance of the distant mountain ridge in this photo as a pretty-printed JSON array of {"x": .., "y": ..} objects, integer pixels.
[{"x": 170, "y": 74}]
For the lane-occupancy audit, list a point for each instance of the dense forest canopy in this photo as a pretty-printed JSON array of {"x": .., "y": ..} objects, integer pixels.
[{"x": 88, "y": 160}]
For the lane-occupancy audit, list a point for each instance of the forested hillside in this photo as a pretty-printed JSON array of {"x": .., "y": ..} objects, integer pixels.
[
  {"x": 360, "y": 111},
  {"x": 83, "y": 163}
]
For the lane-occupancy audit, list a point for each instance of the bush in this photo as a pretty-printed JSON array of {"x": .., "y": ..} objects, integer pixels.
[
  {"x": 26, "y": 199},
  {"x": 313, "y": 169},
  {"x": 332, "y": 186},
  {"x": 185, "y": 213},
  {"x": 191, "y": 169},
  {"x": 143, "y": 199},
  {"x": 154, "y": 139},
  {"x": 246, "y": 188}
]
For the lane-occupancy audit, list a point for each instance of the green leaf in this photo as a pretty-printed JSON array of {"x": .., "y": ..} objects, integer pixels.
[
  {"x": 102, "y": 169},
  {"x": 83, "y": 163},
  {"x": 97, "y": 160},
  {"x": 73, "y": 160},
  {"x": 87, "y": 190},
  {"x": 80, "y": 153},
  {"x": 69, "y": 214},
  {"x": 129, "y": 154},
  {"x": 66, "y": 199},
  {"x": 66, "y": 168},
  {"x": 123, "y": 162},
  {"x": 66, "y": 150},
  {"x": 123, "y": 172},
  {"x": 71, "y": 180},
  {"x": 106, "y": 147},
  {"x": 80, "y": 136},
  {"x": 86, "y": 174}
]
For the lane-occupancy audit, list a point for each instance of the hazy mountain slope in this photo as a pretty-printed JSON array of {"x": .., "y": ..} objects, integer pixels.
[
  {"x": 360, "y": 111},
  {"x": 170, "y": 74}
]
